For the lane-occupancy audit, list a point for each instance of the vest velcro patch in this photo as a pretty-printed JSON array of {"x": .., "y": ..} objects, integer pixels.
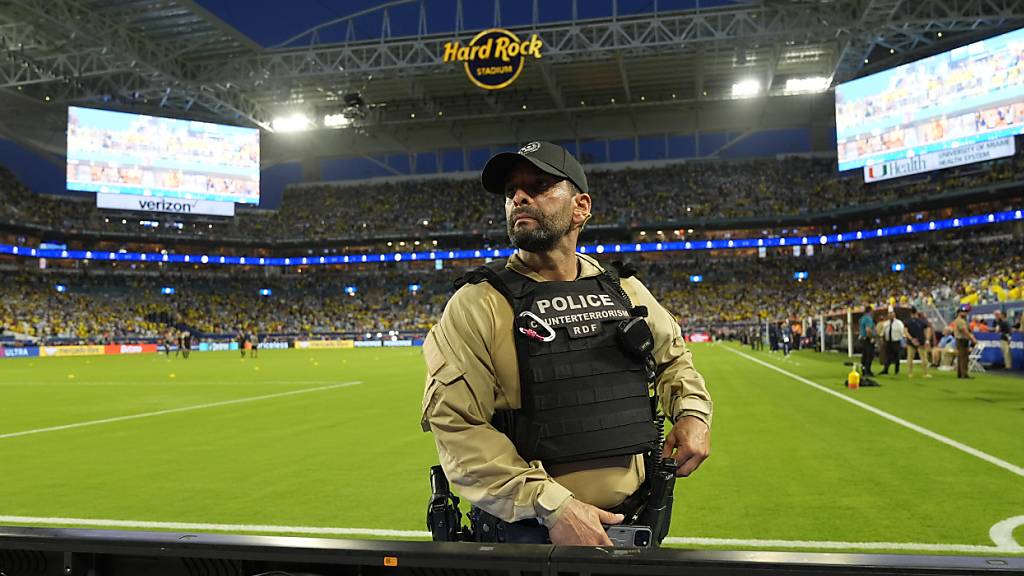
[{"x": 581, "y": 315}]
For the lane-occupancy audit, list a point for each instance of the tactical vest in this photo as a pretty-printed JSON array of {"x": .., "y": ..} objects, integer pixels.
[{"x": 582, "y": 395}]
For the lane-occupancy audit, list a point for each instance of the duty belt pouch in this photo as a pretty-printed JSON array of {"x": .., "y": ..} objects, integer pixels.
[{"x": 489, "y": 528}]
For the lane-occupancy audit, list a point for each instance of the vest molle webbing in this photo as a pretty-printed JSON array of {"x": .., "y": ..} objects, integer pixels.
[{"x": 582, "y": 395}]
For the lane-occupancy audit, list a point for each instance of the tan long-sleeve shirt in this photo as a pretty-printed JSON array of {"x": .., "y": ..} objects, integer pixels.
[{"x": 472, "y": 371}]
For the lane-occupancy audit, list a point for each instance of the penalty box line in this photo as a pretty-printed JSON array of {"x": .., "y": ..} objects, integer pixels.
[
  {"x": 177, "y": 410},
  {"x": 1019, "y": 471}
]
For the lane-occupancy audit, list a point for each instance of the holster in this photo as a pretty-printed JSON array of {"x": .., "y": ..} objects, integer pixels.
[
  {"x": 486, "y": 527},
  {"x": 650, "y": 505}
]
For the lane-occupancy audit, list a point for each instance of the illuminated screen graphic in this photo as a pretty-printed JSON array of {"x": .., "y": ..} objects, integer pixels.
[
  {"x": 132, "y": 154},
  {"x": 970, "y": 94}
]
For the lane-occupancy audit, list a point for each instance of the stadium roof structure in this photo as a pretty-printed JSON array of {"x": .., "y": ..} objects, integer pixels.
[{"x": 619, "y": 75}]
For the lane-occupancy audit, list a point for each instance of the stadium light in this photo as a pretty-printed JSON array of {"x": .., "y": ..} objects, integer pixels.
[
  {"x": 808, "y": 85},
  {"x": 336, "y": 121},
  {"x": 746, "y": 88},
  {"x": 293, "y": 123}
]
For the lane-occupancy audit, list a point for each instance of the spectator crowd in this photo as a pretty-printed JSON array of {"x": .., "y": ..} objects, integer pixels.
[
  {"x": 629, "y": 197},
  {"x": 104, "y": 305}
]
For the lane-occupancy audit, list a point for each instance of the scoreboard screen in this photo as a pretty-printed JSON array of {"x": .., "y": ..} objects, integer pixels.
[
  {"x": 967, "y": 95},
  {"x": 117, "y": 153}
]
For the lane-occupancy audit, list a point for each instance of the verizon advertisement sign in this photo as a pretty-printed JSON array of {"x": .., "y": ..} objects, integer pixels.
[
  {"x": 171, "y": 205},
  {"x": 969, "y": 154}
]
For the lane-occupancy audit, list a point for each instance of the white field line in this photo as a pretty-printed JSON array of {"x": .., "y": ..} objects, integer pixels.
[
  {"x": 176, "y": 410},
  {"x": 198, "y": 526},
  {"x": 1002, "y": 533},
  {"x": 1019, "y": 471},
  {"x": 331, "y": 531},
  {"x": 77, "y": 383}
]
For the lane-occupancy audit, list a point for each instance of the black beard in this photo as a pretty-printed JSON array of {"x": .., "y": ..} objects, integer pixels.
[{"x": 542, "y": 238}]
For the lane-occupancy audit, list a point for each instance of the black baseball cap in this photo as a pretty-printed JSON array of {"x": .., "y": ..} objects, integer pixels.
[{"x": 548, "y": 157}]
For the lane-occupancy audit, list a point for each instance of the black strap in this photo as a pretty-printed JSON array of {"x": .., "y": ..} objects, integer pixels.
[
  {"x": 499, "y": 276},
  {"x": 511, "y": 284},
  {"x": 505, "y": 281},
  {"x": 624, "y": 269}
]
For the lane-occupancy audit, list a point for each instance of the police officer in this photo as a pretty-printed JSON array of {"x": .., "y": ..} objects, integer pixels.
[
  {"x": 964, "y": 340},
  {"x": 539, "y": 415}
]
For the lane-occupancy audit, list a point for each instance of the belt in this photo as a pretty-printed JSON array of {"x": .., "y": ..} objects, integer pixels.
[{"x": 487, "y": 527}]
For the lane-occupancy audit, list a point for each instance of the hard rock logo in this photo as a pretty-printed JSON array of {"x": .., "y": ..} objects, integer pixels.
[{"x": 493, "y": 58}]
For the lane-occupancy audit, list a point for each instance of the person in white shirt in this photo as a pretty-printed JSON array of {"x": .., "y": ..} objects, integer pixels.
[{"x": 892, "y": 337}]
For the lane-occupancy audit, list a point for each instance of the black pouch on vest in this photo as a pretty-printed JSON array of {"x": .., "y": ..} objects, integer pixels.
[{"x": 635, "y": 338}]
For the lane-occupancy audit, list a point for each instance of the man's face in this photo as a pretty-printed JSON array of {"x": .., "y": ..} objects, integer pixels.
[{"x": 538, "y": 207}]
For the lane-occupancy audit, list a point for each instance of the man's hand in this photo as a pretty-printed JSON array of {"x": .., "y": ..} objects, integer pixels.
[
  {"x": 690, "y": 438},
  {"x": 580, "y": 525}
]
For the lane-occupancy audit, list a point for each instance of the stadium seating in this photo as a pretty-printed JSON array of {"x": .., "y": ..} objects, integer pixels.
[
  {"x": 419, "y": 209},
  {"x": 107, "y": 305}
]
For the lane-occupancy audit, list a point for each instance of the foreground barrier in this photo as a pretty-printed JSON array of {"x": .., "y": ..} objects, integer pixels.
[{"x": 72, "y": 552}]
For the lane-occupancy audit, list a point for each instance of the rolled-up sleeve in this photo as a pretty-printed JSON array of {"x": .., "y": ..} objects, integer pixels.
[{"x": 460, "y": 399}]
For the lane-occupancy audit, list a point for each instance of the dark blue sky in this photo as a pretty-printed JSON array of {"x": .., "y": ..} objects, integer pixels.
[{"x": 270, "y": 22}]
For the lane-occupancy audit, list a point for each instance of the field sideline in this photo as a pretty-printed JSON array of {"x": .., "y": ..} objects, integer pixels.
[{"x": 328, "y": 443}]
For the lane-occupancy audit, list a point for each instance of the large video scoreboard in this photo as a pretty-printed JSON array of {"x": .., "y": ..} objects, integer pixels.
[
  {"x": 139, "y": 162},
  {"x": 950, "y": 101}
]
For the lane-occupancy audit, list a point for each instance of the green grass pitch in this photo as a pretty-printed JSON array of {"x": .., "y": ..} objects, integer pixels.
[{"x": 220, "y": 440}]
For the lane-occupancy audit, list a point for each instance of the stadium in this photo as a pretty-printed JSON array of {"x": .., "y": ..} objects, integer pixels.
[{"x": 231, "y": 235}]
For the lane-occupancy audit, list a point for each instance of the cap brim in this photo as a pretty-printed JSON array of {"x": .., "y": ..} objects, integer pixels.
[{"x": 496, "y": 169}]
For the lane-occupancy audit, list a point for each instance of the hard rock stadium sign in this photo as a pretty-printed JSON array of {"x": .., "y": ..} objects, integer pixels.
[{"x": 494, "y": 58}]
